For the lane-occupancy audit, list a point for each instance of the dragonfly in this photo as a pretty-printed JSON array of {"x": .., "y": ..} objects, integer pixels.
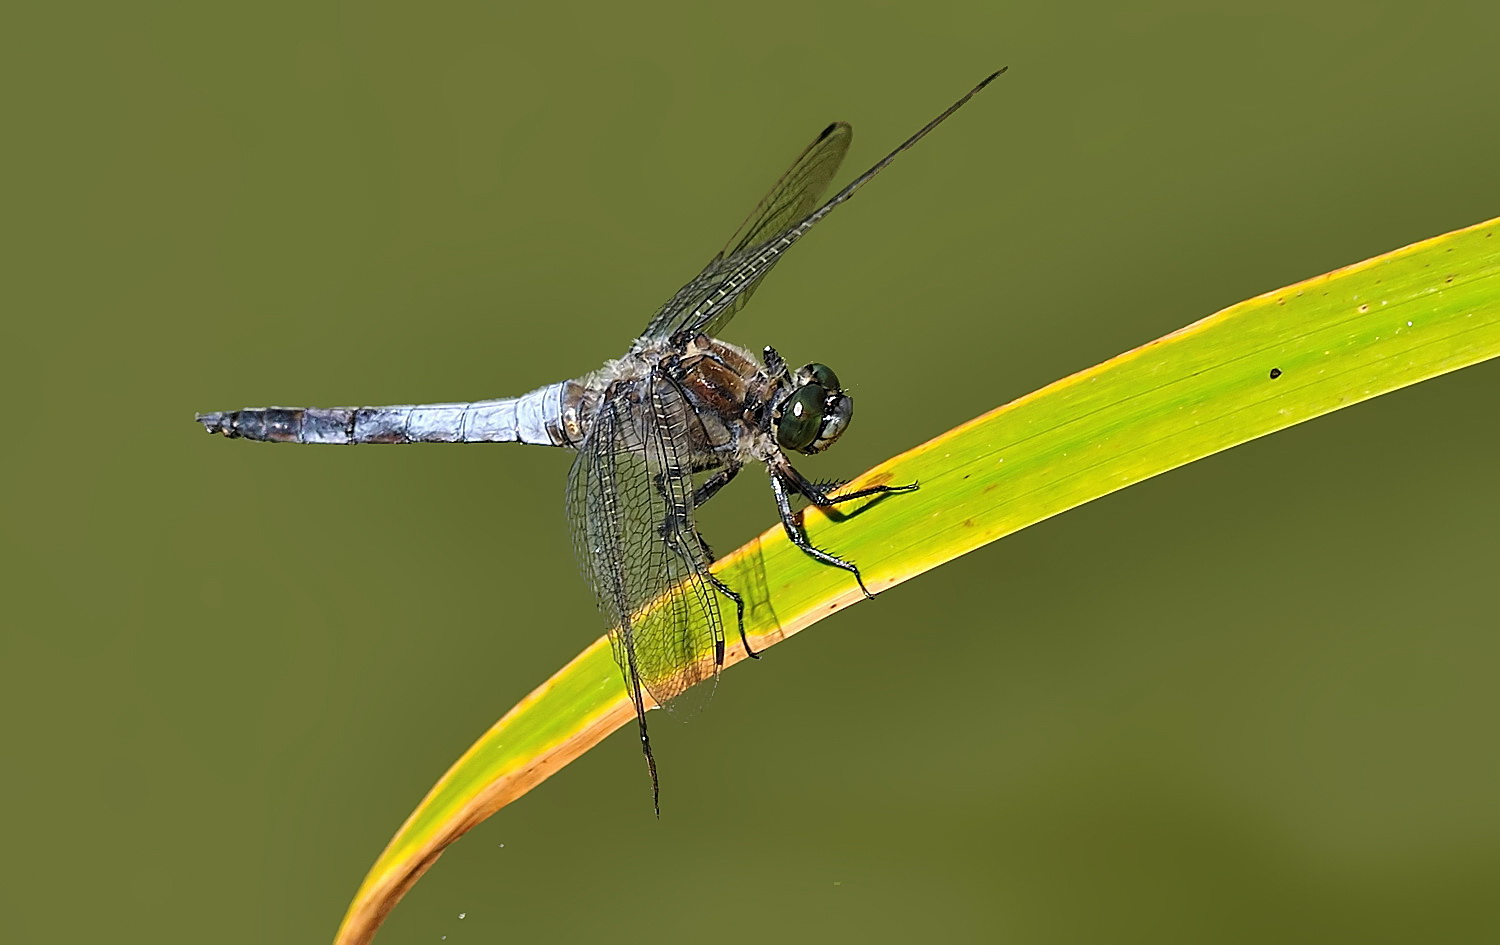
[{"x": 658, "y": 432}]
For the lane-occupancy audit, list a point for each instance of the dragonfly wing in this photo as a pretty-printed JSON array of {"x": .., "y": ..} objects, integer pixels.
[
  {"x": 798, "y": 192},
  {"x": 630, "y": 507},
  {"x": 706, "y": 303},
  {"x": 792, "y": 197}
]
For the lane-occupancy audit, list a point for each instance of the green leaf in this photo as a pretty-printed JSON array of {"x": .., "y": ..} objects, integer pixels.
[{"x": 1254, "y": 368}]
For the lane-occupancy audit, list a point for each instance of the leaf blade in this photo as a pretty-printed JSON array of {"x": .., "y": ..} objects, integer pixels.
[{"x": 1337, "y": 339}]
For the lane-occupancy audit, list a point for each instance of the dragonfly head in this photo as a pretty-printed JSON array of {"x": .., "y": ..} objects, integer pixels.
[{"x": 814, "y": 412}]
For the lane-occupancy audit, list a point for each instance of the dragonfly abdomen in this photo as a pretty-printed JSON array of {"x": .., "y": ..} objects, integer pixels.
[{"x": 536, "y": 417}]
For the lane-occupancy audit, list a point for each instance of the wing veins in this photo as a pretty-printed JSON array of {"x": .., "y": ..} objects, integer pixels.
[{"x": 712, "y": 297}]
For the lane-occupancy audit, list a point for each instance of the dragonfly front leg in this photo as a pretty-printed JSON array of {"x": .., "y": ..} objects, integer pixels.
[
  {"x": 821, "y": 496},
  {"x": 784, "y": 475},
  {"x": 798, "y": 534},
  {"x": 776, "y": 365}
]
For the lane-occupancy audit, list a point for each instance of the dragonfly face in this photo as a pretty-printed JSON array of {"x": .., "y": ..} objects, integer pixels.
[
  {"x": 814, "y": 413},
  {"x": 680, "y": 404}
]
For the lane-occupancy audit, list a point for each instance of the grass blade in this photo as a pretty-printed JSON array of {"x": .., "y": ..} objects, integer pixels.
[{"x": 1252, "y": 369}]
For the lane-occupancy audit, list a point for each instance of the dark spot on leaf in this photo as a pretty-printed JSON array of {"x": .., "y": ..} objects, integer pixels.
[{"x": 1275, "y": 373}]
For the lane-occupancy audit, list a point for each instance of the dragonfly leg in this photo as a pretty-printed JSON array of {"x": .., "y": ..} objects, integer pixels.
[
  {"x": 672, "y": 529},
  {"x": 702, "y": 494},
  {"x": 739, "y": 607},
  {"x": 823, "y": 498},
  {"x": 798, "y": 534},
  {"x": 776, "y": 365},
  {"x": 713, "y": 484}
]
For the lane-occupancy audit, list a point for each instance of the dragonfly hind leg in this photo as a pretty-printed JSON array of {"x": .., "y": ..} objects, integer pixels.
[
  {"x": 702, "y": 494},
  {"x": 672, "y": 529},
  {"x": 739, "y": 604}
]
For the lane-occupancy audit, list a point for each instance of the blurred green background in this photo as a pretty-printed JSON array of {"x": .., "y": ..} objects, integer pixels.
[{"x": 1252, "y": 699}]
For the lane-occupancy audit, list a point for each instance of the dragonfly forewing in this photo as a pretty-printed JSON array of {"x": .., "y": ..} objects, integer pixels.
[
  {"x": 708, "y": 302},
  {"x": 794, "y": 195}
]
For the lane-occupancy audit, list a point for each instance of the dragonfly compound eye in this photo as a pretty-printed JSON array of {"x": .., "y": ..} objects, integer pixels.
[
  {"x": 838, "y": 410},
  {"x": 823, "y": 376},
  {"x": 799, "y": 420}
]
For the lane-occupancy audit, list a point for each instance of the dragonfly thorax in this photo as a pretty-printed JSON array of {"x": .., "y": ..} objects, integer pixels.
[{"x": 814, "y": 412}]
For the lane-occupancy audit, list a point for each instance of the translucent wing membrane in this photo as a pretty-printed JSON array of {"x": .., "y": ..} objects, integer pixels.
[
  {"x": 790, "y": 199},
  {"x": 713, "y": 296},
  {"x": 630, "y": 507},
  {"x": 798, "y": 191}
]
